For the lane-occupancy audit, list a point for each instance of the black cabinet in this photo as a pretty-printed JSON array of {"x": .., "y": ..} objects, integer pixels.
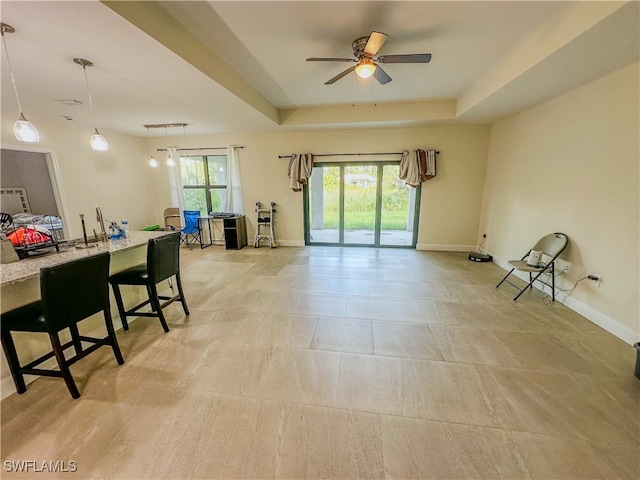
[{"x": 235, "y": 232}]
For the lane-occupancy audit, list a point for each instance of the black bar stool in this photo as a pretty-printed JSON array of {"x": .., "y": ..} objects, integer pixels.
[
  {"x": 163, "y": 262},
  {"x": 70, "y": 292}
]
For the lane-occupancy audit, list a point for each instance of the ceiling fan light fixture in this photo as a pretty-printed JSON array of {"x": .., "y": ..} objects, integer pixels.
[{"x": 365, "y": 68}]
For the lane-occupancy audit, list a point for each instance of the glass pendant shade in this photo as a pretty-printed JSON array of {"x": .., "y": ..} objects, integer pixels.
[
  {"x": 25, "y": 131},
  {"x": 365, "y": 69},
  {"x": 153, "y": 162},
  {"x": 170, "y": 162},
  {"x": 98, "y": 142}
]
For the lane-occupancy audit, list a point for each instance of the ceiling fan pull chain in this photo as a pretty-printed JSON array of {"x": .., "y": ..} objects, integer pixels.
[
  {"x": 375, "y": 94},
  {"x": 353, "y": 92}
]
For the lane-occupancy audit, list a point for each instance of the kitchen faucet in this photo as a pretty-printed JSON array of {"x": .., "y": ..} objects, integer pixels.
[{"x": 103, "y": 234}]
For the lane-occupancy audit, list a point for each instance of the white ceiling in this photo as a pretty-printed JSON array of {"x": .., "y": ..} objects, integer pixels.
[{"x": 238, "y": 66}]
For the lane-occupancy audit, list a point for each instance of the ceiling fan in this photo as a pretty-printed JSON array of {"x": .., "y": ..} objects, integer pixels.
[{"x": 364, "y": 49}]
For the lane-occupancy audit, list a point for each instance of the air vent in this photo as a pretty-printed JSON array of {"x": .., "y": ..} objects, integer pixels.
[{"x": 70, "y": 102}]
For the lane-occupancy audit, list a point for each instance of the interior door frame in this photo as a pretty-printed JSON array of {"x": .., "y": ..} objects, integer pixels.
[
  {"x": 378, "y": 213},
  {"x": 56, "y": 181}
]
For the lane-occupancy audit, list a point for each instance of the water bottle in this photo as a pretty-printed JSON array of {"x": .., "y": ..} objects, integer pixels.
[{"x": 125, "y": 227}]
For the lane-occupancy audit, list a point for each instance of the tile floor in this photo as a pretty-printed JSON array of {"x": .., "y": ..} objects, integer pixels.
[{"x": 341, "y": 363}]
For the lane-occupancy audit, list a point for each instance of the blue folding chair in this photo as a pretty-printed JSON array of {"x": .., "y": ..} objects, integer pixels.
[{"x": 191, "y": 230}]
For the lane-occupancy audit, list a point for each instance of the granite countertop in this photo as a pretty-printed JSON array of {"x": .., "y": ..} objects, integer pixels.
[{"x": 30, "y": 266}]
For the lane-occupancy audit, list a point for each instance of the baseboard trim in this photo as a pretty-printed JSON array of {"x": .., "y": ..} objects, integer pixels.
[
  {"x": 444, "y": 248},
  {"x": 607, "y": 323},
  {"x": 291, "y": 243}
]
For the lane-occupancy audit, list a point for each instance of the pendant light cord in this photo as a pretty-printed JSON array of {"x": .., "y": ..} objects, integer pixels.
[
  {"x": 86, "y": 81},
  {"x": 13, "y": 79},
  {"x": 184, "y": 137}
]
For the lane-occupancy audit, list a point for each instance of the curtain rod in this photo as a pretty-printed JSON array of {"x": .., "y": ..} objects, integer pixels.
[
  {"x": 349, "y": 154},
  {"x": 200, "y": 148}
]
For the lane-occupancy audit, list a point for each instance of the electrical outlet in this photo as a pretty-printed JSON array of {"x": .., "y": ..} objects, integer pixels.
[{"x": 595, "y": 279}]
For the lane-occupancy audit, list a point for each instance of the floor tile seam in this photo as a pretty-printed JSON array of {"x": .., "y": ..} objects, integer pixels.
[
  {"x": 580, "y": 334},
  {"x": 559, "y": 436},
  {"x": 415, "y": 417},
  {"x": 546, "y": 370},
  {"x": 337, "y": 391},
  {"x": 257, "y": 397},
  {"x": 450, "y": 362},
  {"x": 444, "y": 359},
  {"x": 505, "y": 329},
  {"x": 442, "y": 421}
]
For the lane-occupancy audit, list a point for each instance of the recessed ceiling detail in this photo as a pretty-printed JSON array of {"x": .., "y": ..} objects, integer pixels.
[{"x": 69, "y": 102}]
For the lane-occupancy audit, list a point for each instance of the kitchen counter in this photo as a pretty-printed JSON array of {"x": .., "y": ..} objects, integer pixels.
[{"x": 29, "y": 267}]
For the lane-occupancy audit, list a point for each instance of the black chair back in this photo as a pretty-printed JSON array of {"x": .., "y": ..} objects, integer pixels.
[
  {"x": 163, "y": 257},
  {"x": 75, "y": 290}
]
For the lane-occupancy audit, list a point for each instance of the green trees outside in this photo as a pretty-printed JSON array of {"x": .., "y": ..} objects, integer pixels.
[
  {"x": 199, "y": 177},
  {"x": 360, "y": 198}
]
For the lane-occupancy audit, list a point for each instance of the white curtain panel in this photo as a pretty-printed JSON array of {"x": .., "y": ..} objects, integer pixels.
[
  {"x": 235, "y": 202},
  {"x": 175, "y": 180}
]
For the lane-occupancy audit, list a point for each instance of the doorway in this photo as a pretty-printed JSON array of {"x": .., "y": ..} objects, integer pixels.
[
  {"x": 35, "y": 170},
  {"x": 360, "y": 204}
]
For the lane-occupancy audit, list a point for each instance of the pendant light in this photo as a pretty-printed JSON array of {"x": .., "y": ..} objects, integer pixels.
[
  {"x": 170, "y": 161},
  {"x": 98, "y": 142},
  {"x": 152, "y": 161},
  {"x": 23, "y": 129}
]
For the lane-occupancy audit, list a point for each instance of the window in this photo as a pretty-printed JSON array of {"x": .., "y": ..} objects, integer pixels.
[{"x": 204, "y": 180}]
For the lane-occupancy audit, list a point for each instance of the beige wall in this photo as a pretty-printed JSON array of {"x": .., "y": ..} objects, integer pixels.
[
  {"x": 117, "y": 180},
  {"x": 571, "y": 164},
  {"x": 451, "y": 202}
]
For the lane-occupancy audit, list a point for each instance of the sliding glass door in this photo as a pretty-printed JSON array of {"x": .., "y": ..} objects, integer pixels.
[{"x": 360, "y": 204}]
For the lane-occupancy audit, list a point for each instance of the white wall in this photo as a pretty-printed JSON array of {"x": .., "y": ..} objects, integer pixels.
[
  {"x": 571, "y": 164},
  {"x": 117, "y": 180},
  {"x": 451, "y": 202}
]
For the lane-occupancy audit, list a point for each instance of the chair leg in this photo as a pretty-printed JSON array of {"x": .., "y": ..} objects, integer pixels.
[
  {"x": 120, "y": 304},
  {"x": 108, "y": 321},
  {"x": 553, "y": 281},
  {"x": 64, "y": 369},
  {"x": 13, "y": 361},
  {"x": 182, "y": 299},
  {"x": 75, "y": 336},
  {"x": 505, "y": 277},
  {"x": 530, "y": 285},
  {"x": 155, "y": 305}
]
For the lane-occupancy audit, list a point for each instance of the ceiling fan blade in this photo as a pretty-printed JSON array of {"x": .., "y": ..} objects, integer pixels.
[
  {"x": 322, "y": 59},
  {"x": 381, "y": 75},
  {"x": 376, "y": 40},
  {"x": 411, "y": 58},
  {"x": 340, "y": 75}
]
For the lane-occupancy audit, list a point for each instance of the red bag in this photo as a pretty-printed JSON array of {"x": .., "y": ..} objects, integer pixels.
[{"x": 23, "y": 236}]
